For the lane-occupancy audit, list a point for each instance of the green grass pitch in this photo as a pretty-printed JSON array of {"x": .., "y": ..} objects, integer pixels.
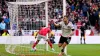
[{"x": 73, "y": 50}]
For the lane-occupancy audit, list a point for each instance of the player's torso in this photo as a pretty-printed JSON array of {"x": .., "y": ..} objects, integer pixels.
[
  {"x": 82, "y": 29},
  {"x": 43, "y": 31},
  {"x": 66, "y": 29}
]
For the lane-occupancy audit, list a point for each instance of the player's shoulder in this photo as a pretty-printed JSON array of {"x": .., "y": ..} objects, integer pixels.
[
  {"x": 70, "y": 23},
  {"x": 61, "y": 23}
]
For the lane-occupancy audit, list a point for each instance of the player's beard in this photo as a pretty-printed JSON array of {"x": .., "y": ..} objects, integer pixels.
[{"x": 66, "y": 22}]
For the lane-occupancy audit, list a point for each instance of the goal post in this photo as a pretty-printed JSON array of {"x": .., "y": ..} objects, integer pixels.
[{"x": 46, "y": 14}]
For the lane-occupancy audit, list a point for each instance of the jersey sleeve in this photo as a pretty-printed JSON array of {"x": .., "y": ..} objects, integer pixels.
[{"x": 72, "y": 26}]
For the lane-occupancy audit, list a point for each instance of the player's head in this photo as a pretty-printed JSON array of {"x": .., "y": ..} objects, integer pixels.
[
  {"x": 2, "y": 21},
  {"x": 65, "y": 19}
]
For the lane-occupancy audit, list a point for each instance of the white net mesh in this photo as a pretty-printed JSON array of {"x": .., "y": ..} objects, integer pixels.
[{"x": 27, "y": 16}]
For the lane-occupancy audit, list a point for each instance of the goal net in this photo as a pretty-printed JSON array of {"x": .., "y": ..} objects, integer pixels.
[{"x": 29, "y": 15}]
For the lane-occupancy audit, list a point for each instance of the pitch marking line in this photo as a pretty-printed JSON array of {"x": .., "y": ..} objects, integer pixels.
[{"x": 41, "y": 49}]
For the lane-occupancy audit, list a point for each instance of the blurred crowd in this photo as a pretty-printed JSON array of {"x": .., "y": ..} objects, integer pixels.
[
  {"x": 78, "y": 12},
  {"x": 83, "y": 11}
]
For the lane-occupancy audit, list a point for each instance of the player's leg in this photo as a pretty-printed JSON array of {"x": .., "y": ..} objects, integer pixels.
[
  {"x": 61, "y": 42},
  {"x": 84, "y": 39},
  {"x": 81, "y": 40},
  {"x": 34, "y": 45},
  {"x": 63, "y": 48},
  {"x": 66, "y": 42},
  {"x": 82, "y": 35},
  {"x": 50, "y": 44}
]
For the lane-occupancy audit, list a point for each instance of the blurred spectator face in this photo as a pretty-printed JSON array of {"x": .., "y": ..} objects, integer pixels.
[
  {"x": 79, "y": 20},
  {"x": 2, "y": 21},
  {"x": 4, "y": 16},
  {"x": 78, "y": 15},
  {"x": 78, "y": 10},
  {"x": 83, "y": 24},
  {"x": 86, "y": 18},
  {"x": 93, "y": 12},
  {"x": 69, "y": 10}
]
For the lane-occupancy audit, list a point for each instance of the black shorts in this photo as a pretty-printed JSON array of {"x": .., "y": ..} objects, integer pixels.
[
  {"x": 82, "y": 34},
  {"x": 65, "y": 39},
  {"x": 1, "y": 32}
]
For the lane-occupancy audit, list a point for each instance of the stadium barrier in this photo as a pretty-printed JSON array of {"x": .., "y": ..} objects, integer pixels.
[
  {"x": 57, "y": 32},
  {"x": 28, "y": 39}
]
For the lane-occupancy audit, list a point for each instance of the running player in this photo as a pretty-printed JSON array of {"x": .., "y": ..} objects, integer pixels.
[
  {"x": 42, "y": 34},
  {"x": 67, "y": 31}
]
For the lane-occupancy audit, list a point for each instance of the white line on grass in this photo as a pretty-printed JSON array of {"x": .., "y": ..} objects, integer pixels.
[
  {"x": 53, "y": 52},
  {"x": 40, "y": 49},
  {"x": 30, "y": 48}
]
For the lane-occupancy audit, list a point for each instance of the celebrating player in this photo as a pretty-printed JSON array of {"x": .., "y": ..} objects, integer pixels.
[
  {"x": 67, "y": 31},
  {"x": 42, "y": 34}
]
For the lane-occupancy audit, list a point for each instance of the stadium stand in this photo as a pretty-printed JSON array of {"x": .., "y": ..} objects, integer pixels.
[{"x": 87, "y": 11}]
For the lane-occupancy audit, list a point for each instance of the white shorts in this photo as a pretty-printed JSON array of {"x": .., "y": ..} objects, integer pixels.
[{"x": 39, "y": 37}]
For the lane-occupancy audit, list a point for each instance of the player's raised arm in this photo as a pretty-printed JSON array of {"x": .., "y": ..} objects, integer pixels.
[{"x": 57, "y": 25}]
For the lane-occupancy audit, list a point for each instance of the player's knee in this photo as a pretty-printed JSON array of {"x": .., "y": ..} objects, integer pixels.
[
  {"x": 62, "y": 50},
  {"x": 59, "y": 45},
  {"x": 37, "y": 41},
  {"x": 81, "y": 38}
]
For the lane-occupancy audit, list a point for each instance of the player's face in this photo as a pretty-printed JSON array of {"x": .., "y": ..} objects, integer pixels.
[{"x": 65, "y": 20}]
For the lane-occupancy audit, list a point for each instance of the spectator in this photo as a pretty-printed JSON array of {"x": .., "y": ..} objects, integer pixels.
[
  {"x": 35, "y": 33},
  {"x": 79, "y": 23},
  {"x": 85, "y": 9},
  {"x": 5, "y": 33},
  {"x": 7, "y": 21},
  {"x": 18, "y": 33},
  {"x": 52, "y": 37},
  {"x": 2, "y": 27},
  {"x": 72, "y": 7}
]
